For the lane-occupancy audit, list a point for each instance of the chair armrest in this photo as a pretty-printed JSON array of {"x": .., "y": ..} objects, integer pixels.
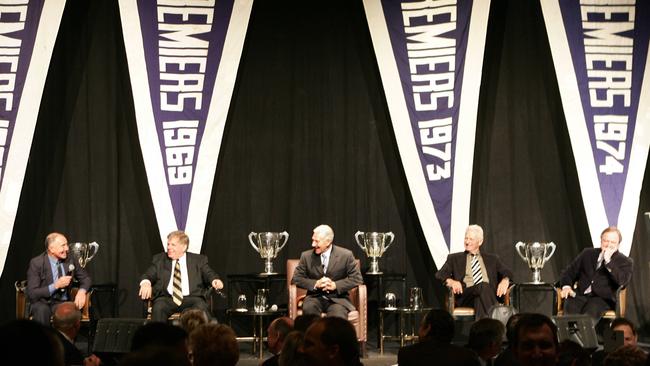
[{"x": 293, "y": 301}]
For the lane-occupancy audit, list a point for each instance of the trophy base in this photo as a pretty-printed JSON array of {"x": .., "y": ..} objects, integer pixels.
[
  {"x": 268, "y": 273},
  {"x": 374, "y": 272}
]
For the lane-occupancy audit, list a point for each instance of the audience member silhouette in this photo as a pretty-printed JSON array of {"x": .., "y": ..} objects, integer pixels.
[
  {"x": 435, "y": 335},
  {"x": 626, "y": 356},
  {"x": 214, "y": 344},
  {"x": 570, "y": 353},
  {"x": 276, "y": 334},
  {"x": 332, "y": 341},
  {"x": 303, "y": 321},
  {"x": 535, "y": 340},
  {"x": 507, "y": 357},
  {"x": 67, "y": 322},
  {"x": 192, "y": 318},
  {"x": 485, "y": 338},
  {"x": 33, "y": 342}
]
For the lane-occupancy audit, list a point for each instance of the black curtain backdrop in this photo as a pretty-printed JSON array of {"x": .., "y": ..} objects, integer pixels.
[{"x": 308, "y": 141}]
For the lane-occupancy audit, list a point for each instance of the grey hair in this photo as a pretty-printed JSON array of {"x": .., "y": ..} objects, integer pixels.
[
  {"x": 325, "y": 231},
  {"x": 477, "y": 230}
]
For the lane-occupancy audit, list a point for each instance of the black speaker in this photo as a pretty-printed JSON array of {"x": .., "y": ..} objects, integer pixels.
[
  {"x": 578, "y": 328},
  {"x": 534, "y": 298},
  {"x": 114, "y": 335}
]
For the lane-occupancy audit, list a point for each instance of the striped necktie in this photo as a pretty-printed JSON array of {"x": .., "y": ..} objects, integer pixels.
[
  {"x": 476, "y": 270},
  {"x": 178, "y": 290}
]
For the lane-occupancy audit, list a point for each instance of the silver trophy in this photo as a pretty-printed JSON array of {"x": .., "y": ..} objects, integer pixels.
[
  {"x": 536, "y": 255},
  {"x": 374, "y": 244},
  {"x": 268, "y": 245},
  {"x": 84, "y": 252}
]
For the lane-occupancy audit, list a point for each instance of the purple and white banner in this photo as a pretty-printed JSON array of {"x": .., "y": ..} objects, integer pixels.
[
  {"x": 600, "y": 52},
  {"x": 28, "y": 30},
  {"x": 183, "y": 57},
  {"x": 430, "y": 54}
]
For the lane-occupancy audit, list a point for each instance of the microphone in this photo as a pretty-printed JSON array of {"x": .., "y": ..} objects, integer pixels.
[{"x": 71, "y": 269}]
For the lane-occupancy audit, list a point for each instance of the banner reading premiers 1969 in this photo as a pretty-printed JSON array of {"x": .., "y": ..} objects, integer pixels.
[
  {"x": 600, "y": 52},
  {"x": 28, "y": 30},
  {"x": 183, "y": 57},
  {"x": 430, "y": 54}
]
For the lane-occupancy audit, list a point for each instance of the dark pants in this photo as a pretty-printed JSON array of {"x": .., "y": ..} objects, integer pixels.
[
  {"x": 164, "y": 306},
  {"x": 594, "y": 306},
  {"x": 42, "y": 311},
  {"x": 319, "y": 304},
  {"x": 481, "y": 297}
]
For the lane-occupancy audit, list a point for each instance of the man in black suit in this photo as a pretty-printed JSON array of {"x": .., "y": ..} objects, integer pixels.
[
  {"x": 598, "y": 273},
  {"x": 277, "y": 333},
  {"x": 49, "y": 279},
  {"x": 178, "y": 279},
  {"x": 476, "y": 278},
  {"x": 434, "y": 345},
  {"x": 327, "y": 272}
]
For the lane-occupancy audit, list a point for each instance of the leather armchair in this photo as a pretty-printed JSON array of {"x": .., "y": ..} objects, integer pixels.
[{"x": 358, "y": 296}]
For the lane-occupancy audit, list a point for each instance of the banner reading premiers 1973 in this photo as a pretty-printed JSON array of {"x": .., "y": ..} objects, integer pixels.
[
  {"x": 28, "y": 30},
  {"x": 600, "y": 52},
  {"x": 430, "y": 54},
  {"x": 183, "y": 57}
]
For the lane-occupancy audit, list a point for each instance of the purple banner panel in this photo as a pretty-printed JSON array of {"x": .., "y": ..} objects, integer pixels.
[
  {"x": 183, "y": 46},
  {"x": 19, "y": 23},
  {"x": 429, "y": 43},
  {"x": 608, "y": 45}
]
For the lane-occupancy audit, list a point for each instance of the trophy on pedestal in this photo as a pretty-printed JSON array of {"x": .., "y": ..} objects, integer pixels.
[
  {"x": 268, "y": 245},
  {"x": 535, "y": 255},
  {"x": 84, "y": 252},
  {"x": 374, "y": 244}
]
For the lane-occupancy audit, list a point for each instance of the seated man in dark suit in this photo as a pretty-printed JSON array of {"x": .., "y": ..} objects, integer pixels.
[
  {"x": 49, "y": 279},
  {"x": 476, "y": 278},
  {"x": 178, "y": 279},
  {"x": 599, "y": 272},
  {"x": 327, "y": 272},
  {"x": 67, "y": 322},
  {"x": 434, "y": 346}
]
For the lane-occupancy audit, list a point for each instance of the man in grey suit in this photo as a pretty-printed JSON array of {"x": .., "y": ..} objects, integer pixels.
[
  {"x": 177, "y": 279},
  {"x": 475, "y": 277},
  {"x": 327, "y": 272}
]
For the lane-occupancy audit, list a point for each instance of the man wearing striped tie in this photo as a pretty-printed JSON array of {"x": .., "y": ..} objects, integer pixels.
[
  {"x": 476, "y": 278},
  {"x": 177, "y": 279}
]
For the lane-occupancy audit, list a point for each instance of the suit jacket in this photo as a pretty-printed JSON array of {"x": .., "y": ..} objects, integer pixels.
[
  {"x": 72, "y": 354},
  {"x": 199, "y": 274},
  {"x": 39, "y": 277},
  {"x": 272, "y": 361},
  {"x": 430, "y": 352},
  {"x": 456, "y": 263},
  {"x": 341, "y": 268},
  {"x": 605, "y": 280}
]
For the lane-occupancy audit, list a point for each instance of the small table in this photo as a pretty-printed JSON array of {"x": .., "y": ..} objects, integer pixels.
[
  {"x": 407, "y": 325},
  {"x": 258, "y": 325}
]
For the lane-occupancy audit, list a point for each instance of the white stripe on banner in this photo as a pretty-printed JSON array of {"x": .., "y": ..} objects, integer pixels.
[
  {"x": 29, "y": 30},
  {"x": 600, "y": 54},
  {"x": 183, "y": 58},
  {"x": 430, "y": 56}
]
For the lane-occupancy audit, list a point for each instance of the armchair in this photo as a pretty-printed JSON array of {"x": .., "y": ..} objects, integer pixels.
[
  {"x": 358, "y": 296},
  {"x": 23, "y": 305},
  {"x": 619, "y": 311},
  {"x": 464, "y": 311}
]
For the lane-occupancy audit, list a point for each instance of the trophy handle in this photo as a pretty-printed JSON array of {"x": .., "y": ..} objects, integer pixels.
[
  {"x": 552, "y": 245},
  {"x": 356, "y": 237},
  {"x": 286, "y": 237},
  {"x": 518, "y": 247},
  {"x": 94, "y": 247},
  {"x": 250, "y": 240},
  {"x": 392, "y": 238}
]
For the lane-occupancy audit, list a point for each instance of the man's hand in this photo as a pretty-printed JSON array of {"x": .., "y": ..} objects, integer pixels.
[
  {"x": 62, "y": 282},
  {"x": 80, "y": 298},
  {"x": 145, "y": 290},
  {"x": 217, "y": 284},
  {"x": 455, "y": 286},
  {"x": 330, "y": 285},
  {"x": 321, "y": 283},
  {"x": 567, "y": 291},
  {"x": 92, "y": 360},
  {"x": 607, "y": 253},
  {"x": 503, "y": 287}
]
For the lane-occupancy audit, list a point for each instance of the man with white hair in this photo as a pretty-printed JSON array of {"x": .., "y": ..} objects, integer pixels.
[
  {"x": 475, "y": 277},
  {"x": 327, "y": 272}
]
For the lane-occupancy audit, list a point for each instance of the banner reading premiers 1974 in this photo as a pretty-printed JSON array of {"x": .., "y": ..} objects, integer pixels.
[
  {"x": 183, "y": 57},
  {"x": 600, "y": 52},
  {"x": 430, "y": 54},
  {"x": 28, "y": 30}
]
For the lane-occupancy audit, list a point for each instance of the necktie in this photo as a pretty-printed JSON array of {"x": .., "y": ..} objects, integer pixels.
[
  {"x": 59, "y": 268},
  {"x": 177, "y": 296},
  {"x": 324, "y": 262},
  {"x": 476, "y": 270}
]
